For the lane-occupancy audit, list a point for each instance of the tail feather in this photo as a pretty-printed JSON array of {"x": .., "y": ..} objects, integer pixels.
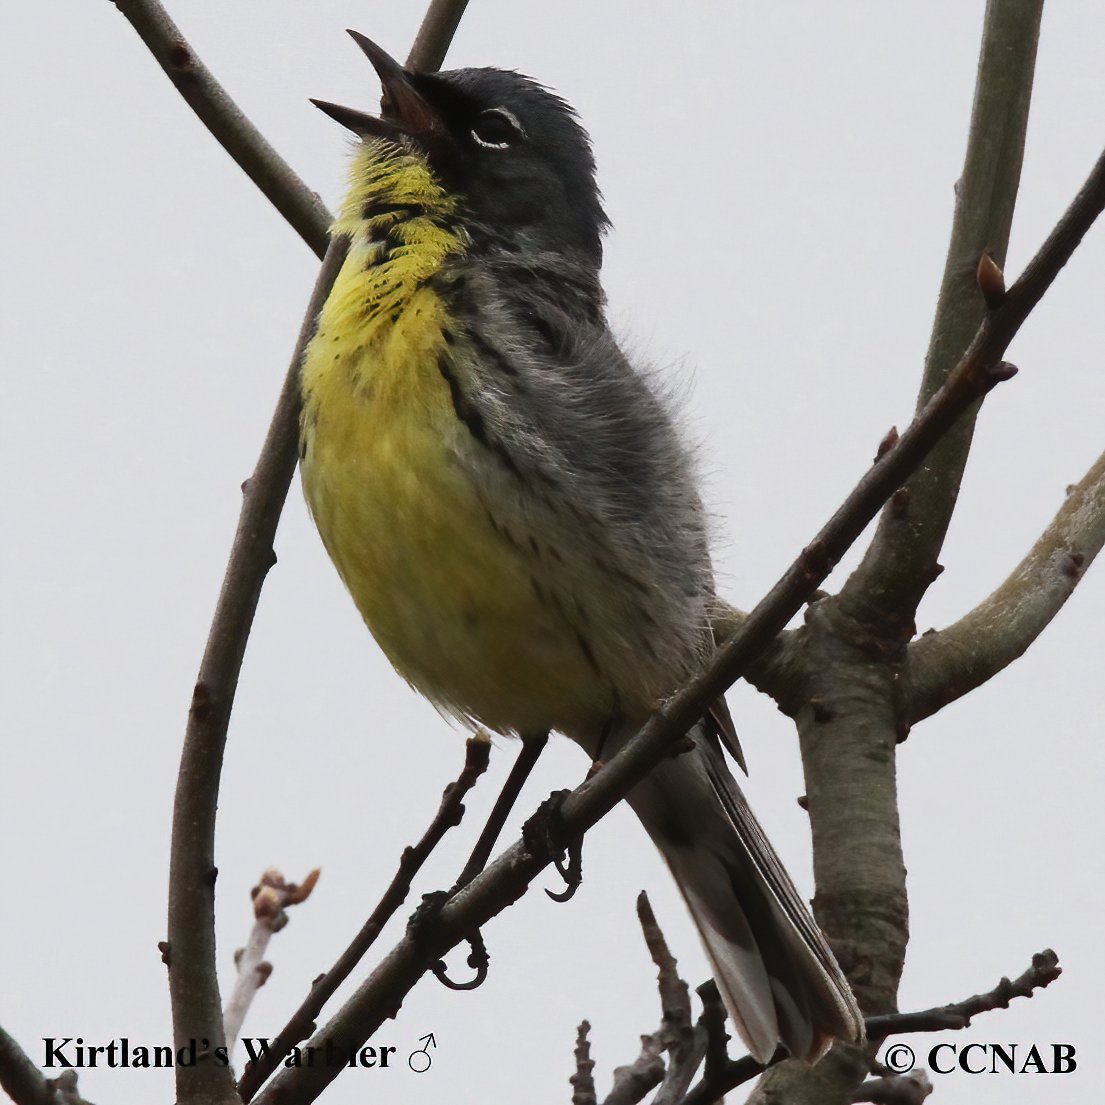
[{"x": 774, "y": 970}]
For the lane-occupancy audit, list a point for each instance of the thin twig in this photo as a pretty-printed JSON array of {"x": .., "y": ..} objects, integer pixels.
[
  {"x": 224, "y": 119},
  {"x": 301, "y": 1024},
  {"x": 946, "y": 665},
  {"x": 677, "y": 1028},
  {"x": 583, "y": 1081},
  {"x": 272, "y": 897},
  {"x": 712, "y": 1023},
  {"x": 679, "y": 1036},
  {"x": 1045, "y": 970}
]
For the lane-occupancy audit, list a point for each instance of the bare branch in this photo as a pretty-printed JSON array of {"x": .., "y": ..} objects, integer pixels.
[
  {"x": 224, "y": 119},
  {"x": 302, "y": 1023},
  {"x": 634, "y": 1082},
  {"x": 193, "y": 984},
  {"x": 1045, "y": 970},
  {"x": 900, "y": 564},
  {"x": 734, "y": 1073},
  {"x": 683, "y": 1040},
  {"x": 946, "y": 665},
  {"x": 675, "y": 995},
  {"x": 583, "y": 1082},
  {"x": 272, "y": 897},
  {"x": 712, "y": 1023},
  {"x": 287, "y": 192},
  {"x": 23, "y": 1082},
  {"x": 431, "y": 44}
]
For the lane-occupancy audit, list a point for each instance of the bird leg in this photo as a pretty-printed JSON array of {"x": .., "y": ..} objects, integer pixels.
[
  {"x": 532, "y": 747},
  {"x": 478, "y": 959}
]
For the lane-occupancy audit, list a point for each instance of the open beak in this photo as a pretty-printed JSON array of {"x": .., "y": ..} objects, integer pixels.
[{"x": 403, "y": 109}]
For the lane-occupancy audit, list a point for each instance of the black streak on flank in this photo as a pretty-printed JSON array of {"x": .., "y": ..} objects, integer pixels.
[
  {"x": 490, "y": 353},
  {"x": 585, "y": 648},
  {"x": 501, "y": 530},
  {"x": 607, "y": 568},
  {"x": 472, "y": 418}
]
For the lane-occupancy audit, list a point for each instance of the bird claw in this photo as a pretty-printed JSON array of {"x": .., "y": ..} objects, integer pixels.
[
  {"x": 478, "y": 959},
  {"x": 543, "y": 834},
  {"x": 571, "y": 871}
]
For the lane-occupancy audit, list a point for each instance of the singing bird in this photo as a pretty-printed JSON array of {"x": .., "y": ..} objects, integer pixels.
[{"x": 511, "y": 506}]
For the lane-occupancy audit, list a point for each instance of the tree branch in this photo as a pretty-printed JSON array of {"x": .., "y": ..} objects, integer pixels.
[
  {"x": 946, "y": 665},
  {"x": 636, "y": 1080},
  {"x": 304, "y": 211},
  {"x": 193, "y": 983},
  {"x": 683, "y": 1040},
  {"x": 434, "y": 37},
  {"x": 1045, "y": 970},
  {"x": 675, "y": 996},
  {"x": 901, "y": 561},
  {"x": 285, "y": 190},
  {"x": 302, "y": 1023},
  {"x": 583, "y": 1081},
  {"x": 23, "y": 1082}
]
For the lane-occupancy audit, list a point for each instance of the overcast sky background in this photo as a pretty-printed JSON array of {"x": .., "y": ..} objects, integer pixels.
[{"x": 780, "y": 181}]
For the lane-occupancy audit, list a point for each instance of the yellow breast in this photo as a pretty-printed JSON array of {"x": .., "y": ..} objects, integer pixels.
[{"x": 389, "y": 474}]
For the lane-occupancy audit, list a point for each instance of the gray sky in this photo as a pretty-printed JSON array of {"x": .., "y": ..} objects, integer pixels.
[{"x": 780, "y": 181}]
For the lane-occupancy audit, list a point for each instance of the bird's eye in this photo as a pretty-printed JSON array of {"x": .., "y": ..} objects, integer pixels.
[{"x": 497, "y": 129}]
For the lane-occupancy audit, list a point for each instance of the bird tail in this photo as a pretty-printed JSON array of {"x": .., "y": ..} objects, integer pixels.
[{"x": 774, "y": 970}]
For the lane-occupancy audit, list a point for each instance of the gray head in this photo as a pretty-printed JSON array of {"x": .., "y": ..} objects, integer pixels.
[{"x": 511, "y": 150}]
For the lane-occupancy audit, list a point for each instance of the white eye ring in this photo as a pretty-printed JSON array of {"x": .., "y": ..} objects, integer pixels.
[{"x": 510, "y": 118}]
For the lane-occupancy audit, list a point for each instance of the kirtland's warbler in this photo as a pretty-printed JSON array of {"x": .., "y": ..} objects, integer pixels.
[{"x": 511, "y": 506}]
